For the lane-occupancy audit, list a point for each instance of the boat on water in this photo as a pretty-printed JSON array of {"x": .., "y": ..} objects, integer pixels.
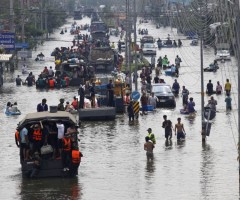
[
  {"x": 49, "y": 162},
  {"x": 12, "y": 113}
]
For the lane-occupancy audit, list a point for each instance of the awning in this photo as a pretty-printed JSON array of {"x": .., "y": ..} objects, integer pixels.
[{"x": 5, "y": 57}]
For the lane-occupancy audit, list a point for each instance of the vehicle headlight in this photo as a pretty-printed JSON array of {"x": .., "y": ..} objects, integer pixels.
[{"x": 171, "y": 97}]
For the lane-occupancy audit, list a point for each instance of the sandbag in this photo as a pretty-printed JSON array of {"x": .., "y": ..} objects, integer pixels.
[{"x": 46, "y": 149}]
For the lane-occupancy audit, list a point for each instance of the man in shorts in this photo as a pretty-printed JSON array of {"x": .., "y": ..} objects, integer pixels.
[
  {"x": 179, "y": 130},
  {"x": 148, "y": 147},
  {"x": 167, "y": 125}
]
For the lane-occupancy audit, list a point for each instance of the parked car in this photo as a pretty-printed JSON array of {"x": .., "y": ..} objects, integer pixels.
[
  {"x": 164, "y": 94},
  {"x": 223, "y": 55},
  {"x": 147, "y": 39},
  {"x": 149, "y": 49}
]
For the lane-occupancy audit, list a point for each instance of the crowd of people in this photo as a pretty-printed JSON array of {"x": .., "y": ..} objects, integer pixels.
[{"x": 35, "y": 138}]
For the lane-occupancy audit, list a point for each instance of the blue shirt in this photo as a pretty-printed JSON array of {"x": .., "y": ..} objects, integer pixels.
[
  {"x": 191, "y": 105},
  {"x": 41, "y": 107}
]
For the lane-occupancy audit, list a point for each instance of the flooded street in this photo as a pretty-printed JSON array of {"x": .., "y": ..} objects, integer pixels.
[{"x": 114, "y": 165}]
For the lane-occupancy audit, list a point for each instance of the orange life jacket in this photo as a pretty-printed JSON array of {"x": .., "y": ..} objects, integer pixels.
[
  {"x": 37, "y": 135},
  {"x": 17, "y": 135},
  {"x": 66, "y": 144},
  {"x": 51, "y": 83},
  {"x": 76, "y": 157}
]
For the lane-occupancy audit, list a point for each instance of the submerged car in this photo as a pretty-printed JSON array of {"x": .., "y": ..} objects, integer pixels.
[
  {"x": 223, "y": 55},
  {"x": 149, "y": 49},
  {"x": 164, "y": 94},
  {"x": 45, "y": 160},
  {"x": 147, "y": 39}
]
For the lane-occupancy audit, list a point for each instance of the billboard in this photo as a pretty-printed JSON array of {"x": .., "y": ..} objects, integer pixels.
[{"x": 7, "y": 41}]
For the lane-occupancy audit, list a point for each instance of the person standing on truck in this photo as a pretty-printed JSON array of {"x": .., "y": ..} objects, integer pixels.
[
  {"x": 92, "y": 94},
  {"x": 110, "y": 94}
]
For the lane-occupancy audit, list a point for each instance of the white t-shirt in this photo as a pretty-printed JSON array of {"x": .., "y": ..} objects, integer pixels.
[
  {"x": 60, "y": 130},
  {"x": 50, "y": 72},
  {"x": 23, "y": 133},
  {"x": 152, "y": 100}
]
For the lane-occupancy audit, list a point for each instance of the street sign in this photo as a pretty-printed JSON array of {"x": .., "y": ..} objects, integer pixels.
[
  {"x": 136, "y": 107},
  {"x": 21, "y": 45},
  {"x": 24, "y": 54},
  {"x": 135, "y": 95},
  {"x": 7, "y": 41}
]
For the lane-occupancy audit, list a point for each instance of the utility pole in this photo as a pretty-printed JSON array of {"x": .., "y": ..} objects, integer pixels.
[
  {"x": 135, "y": 45},
  {"x": 204, "y": 131},
  {"x": 127, "y": 43},
  {"x": 237, "y": 14},
  {"x": 46, "y": 18},
  {"x": 22, "y": 21},
  {"x": 41, "y": 17},
  {"x": 11, "y": 17}
]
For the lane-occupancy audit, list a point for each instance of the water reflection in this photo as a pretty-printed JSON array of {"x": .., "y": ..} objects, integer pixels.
[
  {"x": 207, "y": 170},
  {"x": 168, "y": 144},
  {"x": 61, "y": 189},
  {"x": 150, "y": 168},
  {"x": 180, "y": 144}
]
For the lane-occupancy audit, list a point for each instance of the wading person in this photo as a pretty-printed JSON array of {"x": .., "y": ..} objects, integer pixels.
[
  {"x": 130, "y": 111},
  {"x": 209, "y": 88},
  {"x": 30, "y": 79},
  {"x": 179, "y": 130},
  {"x": 228, "y": 87},
  {"x": 185, "y": 94},
  {"x": 18, "y": 81},
  {"x": 218, "y": 88},
  {"x": 151, "y": 136},
  {"x": 144, "y": 102},
  {"x": 152, "y": 100},
  {"x": 148, "y": 147},
  {"x": 228, "y": 101},
  {"x": 167, "y": 125},
  {"x": 190, "y": 106}
]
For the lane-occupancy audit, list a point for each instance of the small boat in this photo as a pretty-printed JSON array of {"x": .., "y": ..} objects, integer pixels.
[
  {"x": 185, "y": 112},
  {"x": 169, "y": 72},
  {"x": 211, "y": 68},
  {"x": 12, "y": 113},
  {"x": 194, "y": 42}
]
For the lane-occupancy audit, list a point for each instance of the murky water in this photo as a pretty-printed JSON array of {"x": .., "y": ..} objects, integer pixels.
[{"x": 114, "y": 165}]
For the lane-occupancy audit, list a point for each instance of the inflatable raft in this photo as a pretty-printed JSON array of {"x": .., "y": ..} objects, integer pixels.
[{"x": 12, "y": 113}]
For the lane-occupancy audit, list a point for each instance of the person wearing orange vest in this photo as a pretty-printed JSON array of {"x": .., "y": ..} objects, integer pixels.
[
  {"x": 66, "y": 152},
  {"x": 17, "y": 138},
  {"x": 76, "y": 159},
  {"x": 51, "y": 83},
  {"x": 37, "y": 137}
]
